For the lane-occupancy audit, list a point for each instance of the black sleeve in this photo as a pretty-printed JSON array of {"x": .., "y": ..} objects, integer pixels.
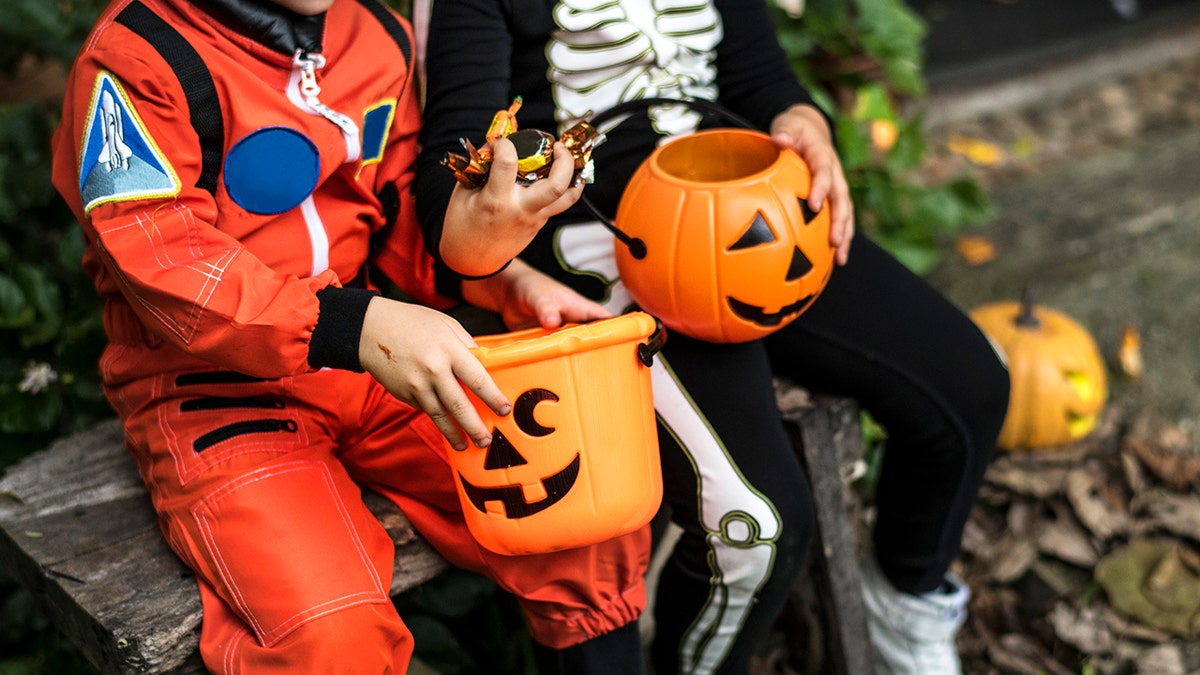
[
  {"x": 467, "y": 81},
  {"x": 335, "y": 338},
  {"x": 754, "y": 75}
]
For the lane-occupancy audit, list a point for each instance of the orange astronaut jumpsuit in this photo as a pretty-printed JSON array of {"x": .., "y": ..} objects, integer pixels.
[{"x": 232, "y": 276}]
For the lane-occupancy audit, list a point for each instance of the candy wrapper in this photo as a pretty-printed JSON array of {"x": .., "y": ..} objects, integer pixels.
[{"x": 535, "y": 150}]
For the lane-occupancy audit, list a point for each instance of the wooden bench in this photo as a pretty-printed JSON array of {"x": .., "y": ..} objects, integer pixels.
[{"x": 77, "y": 529}]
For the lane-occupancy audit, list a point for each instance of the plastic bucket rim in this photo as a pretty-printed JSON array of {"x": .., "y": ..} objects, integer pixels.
[
  {"x": 529, "y": 345},
  {"x": 653, "y": 163}
]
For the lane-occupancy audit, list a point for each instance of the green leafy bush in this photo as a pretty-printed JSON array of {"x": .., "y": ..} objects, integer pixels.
[
  {"x": 50, "y": 332},
  {"x": 863, "y": 61}
]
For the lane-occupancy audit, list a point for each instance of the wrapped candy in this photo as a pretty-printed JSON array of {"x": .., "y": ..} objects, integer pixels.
[{"x": 535, "y": 150}]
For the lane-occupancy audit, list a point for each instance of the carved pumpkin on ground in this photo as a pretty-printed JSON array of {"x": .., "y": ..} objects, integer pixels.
[
  {"x": 1058, "y": 379},
  {"x": 731, "y": 250},
  {"x": 576, "y": 461}
]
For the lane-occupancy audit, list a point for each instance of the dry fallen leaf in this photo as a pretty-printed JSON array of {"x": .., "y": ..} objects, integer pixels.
[
  {"x": 1020, "y": 653},
  {"x": 1161, "y": 660},
  {"x": 1064, "y": 539},
  {"x": 1129, "y": 353},
  {"x": 1085, "y": 629},
  {"x": 975, "y": 249},
  {"x": 1177, "y": 514},
  {"x": 1097, "y": 504},
  {"x": 1010, "y": 557},
  {"x": 1167, "y": 456},
  {"x": 1135, "y": 474},
  {"x": 1148, "y": 581},
  {"x": 977, "y": 151},
  {"x": 1039, "y": 482}
]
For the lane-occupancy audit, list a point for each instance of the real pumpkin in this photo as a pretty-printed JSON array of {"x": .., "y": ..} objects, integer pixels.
[{"x": 1058, "y": 378}]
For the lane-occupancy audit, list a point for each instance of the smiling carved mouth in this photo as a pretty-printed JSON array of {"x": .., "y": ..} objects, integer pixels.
[
  {"x": 513, "y": 497},
  {"x": 757, "y": 316}
]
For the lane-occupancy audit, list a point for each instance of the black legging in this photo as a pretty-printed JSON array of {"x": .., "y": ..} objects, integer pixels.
[{"x": 878, "y": 333}]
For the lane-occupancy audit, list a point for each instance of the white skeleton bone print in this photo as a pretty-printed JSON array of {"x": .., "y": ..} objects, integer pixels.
[
  {"x": 741, "y": 525},
  {"x": 608, "y": 52}
]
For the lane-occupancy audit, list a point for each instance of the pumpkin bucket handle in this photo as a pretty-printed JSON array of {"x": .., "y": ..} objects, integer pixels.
[
  {"x": 637, "y": 247},
  {"x": 653, "y": 345}
]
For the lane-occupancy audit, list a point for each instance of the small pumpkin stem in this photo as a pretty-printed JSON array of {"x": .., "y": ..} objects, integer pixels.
[{"x": 1026, "y": 319}]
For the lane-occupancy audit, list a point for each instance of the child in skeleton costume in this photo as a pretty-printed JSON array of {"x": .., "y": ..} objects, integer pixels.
[
  {"x": 236, "y": 166},
  {"x": 877, "y": 332}
]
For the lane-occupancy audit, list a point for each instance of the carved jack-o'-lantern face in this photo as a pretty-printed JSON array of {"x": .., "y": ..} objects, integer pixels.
[
  {"x": 509, "y": 496},
  {"x": 1058, "y": 379},
  {"x": 732, "y": 251},
  {"x": 576, "y": 461}
]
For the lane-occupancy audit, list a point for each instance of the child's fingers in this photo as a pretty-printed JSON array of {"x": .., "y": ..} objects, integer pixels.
[
  {"x": 503, "y": 172},
  {"x": 562, "y": 169},
  {"x": 557, "y": 190},
  {"x": 473, "y": 376},
  {"x": 431, "y": 405}
]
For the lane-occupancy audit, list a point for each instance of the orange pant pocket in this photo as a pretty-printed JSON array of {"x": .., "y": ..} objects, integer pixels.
[{"x": 286, "y": 546}]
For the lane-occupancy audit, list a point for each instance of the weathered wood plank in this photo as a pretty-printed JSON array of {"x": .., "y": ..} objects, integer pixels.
[
  {"x": 77, "y": 529},
  {"x": 828, "y": 435}
]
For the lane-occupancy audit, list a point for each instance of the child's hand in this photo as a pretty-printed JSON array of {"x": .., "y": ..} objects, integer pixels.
[
  {"x": 526, "y": 298},
  {"x": 803, "y": 129},
  {"x": 423, "y": 358},
  {"x": 487, "y": 227}
]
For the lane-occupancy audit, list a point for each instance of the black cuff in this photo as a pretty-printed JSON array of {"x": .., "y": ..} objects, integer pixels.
[
  {"x": 335, "y": 338},
  {"x": 448, "y": 281}
]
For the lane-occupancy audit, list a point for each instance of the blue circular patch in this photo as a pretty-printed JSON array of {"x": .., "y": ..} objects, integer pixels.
[{"x": 272, "y": 170}]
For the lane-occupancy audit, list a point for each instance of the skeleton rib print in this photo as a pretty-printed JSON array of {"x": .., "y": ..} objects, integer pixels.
[{"x": 607, "y": 52}]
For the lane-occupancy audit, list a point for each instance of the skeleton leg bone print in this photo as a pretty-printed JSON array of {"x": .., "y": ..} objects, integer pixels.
[{"x": 741, "y": 525}]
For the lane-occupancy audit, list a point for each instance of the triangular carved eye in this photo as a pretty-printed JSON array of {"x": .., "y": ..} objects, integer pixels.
[
  {"x": 758, "y": 234},
  {"x": 501, "y": 454},
  {"x": 800, "y": 266},
  {"x": 806, "y": 211}
]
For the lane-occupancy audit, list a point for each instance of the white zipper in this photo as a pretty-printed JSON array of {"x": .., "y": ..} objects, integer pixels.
[{"x": 308, "y": 64}]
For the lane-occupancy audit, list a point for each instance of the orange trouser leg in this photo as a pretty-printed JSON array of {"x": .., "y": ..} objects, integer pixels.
[
  {"x": 361, "y": 639},
  {"x": 293, "y": 569},
  {"x": 257, "y": 486}
]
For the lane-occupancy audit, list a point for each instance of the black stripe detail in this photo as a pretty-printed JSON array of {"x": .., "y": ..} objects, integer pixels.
[
  {"x": 242, "y": 428},
  {"x": 391, "y": 25},
  {"x": 216, "y": 377},
  {"x": 230, "y": 402},
  {"x": 204, "y": 106}
]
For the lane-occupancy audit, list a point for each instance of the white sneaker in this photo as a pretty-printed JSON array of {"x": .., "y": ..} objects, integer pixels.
[{"x": 913, "y": 634}]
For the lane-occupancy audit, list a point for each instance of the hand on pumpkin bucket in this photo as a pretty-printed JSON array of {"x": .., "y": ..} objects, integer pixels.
[{"x": 803, "y": 129}]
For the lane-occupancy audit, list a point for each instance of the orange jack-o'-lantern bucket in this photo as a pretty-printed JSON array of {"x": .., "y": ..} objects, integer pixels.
[
  {"x": 715, "y": 234},
  {"x": 732, "y": 251},
  {"x": 576, "y": 461}
]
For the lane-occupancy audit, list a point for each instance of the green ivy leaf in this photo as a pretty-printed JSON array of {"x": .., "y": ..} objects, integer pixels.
[
  {"x": 22, "y": 413},
  {"x": 15, "y": 312},
  {"x": 854, "y": 145},
  {"x": 917, "y": 257},
  {"x": 909, "y": 150},
  {"x": 872, "y": 103},
  {"x": 43, "y": 295}
]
